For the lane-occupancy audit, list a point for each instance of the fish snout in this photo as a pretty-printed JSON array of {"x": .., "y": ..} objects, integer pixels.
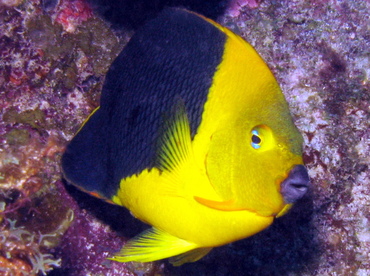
[{"x": 296, "y": 184}]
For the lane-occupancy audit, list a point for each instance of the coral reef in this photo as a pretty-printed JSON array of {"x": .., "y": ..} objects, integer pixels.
[
  {"x": 53, "y": 59},
  {"x": 22, "y": 252}
]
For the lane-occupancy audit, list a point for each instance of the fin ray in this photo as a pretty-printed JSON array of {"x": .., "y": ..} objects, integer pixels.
[
  {"x": 175, "y": 142},
  {"x": 151, "y": 245},
  {"x": 190, "y": 256}
]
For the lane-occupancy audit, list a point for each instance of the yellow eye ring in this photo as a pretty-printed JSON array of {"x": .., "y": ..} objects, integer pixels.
[
  {"x": 256, "y": 139},
  {"x": 261, "y": 138}
]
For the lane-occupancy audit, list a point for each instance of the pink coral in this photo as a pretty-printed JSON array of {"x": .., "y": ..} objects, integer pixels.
[
  {"x": 236, "y": 5},
  {"x": 73, "y": 13}
]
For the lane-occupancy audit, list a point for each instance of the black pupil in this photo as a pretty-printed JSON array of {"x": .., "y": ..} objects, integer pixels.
[{"x": 256, "y": 139}]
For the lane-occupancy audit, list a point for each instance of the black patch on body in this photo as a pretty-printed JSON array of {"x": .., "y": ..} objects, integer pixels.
[{"x": 173, "y": 56}]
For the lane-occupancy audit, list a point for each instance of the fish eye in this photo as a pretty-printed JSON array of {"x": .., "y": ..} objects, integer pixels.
[
  {"x": 256, "y": 139},
  {"x": 261, "y": 138}
]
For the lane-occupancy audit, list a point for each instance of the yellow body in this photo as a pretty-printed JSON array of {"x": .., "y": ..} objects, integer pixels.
[{"x": 216, "y": 188}]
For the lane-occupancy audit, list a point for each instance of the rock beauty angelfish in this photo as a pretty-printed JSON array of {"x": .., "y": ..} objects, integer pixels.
[{"x": 194, "y": 136}]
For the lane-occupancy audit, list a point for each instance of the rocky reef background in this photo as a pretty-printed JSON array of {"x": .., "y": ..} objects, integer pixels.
[{"x": 53, "y": 59}]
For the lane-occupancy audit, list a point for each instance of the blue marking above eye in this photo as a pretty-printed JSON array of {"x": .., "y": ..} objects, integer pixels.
[{"x": 256, "y": 140}]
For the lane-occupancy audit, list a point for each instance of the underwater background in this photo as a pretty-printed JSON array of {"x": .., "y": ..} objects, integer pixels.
[{"x": 53, "y": 59}]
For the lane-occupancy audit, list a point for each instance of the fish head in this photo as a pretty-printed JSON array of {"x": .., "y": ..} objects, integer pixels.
[
  {"x": 254, "y": 158},
  {"x": 257, "y": 164}
]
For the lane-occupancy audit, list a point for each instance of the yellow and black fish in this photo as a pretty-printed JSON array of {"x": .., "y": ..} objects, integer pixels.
[{"x": 193, "y": 136}]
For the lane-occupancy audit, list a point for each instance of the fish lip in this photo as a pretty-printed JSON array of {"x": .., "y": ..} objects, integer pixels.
[{"x": 296, "y": 184}]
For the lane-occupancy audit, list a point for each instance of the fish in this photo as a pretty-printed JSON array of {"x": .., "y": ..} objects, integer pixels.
[{"x": 193, "y": 135}]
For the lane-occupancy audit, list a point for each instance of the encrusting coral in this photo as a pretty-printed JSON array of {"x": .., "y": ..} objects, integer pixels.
[{"x": 23, "y": 252}]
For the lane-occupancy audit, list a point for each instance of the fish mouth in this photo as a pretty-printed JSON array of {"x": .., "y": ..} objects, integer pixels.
[{"x": 296, "y": 185}]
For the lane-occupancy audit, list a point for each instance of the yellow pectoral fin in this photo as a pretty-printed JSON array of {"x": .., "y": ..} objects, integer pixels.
[
  {"x": 228, "y": 205},
  {"x": 151, "y": 245},
  {"x": 175, "y": 142}
]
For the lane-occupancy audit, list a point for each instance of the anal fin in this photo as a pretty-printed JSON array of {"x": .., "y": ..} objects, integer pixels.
[
  {"x": 151, "y": 245},
  {"x": 190, "y": 256}
]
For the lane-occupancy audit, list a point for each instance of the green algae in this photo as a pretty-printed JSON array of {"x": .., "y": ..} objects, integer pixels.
[
  {"x": 34, "y": 118},
  {"x": 17, "y": 137}
]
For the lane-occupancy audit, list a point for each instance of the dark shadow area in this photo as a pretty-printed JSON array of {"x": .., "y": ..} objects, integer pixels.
[
  {"x": 117, "y": 217},
  {"x": 81, "y": 247},
  {"x": 132, "y": 14},
  {"x": 288, "y": 246}
]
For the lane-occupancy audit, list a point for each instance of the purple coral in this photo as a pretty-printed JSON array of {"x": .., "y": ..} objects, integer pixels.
[{"x": 235, "y": 6}]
